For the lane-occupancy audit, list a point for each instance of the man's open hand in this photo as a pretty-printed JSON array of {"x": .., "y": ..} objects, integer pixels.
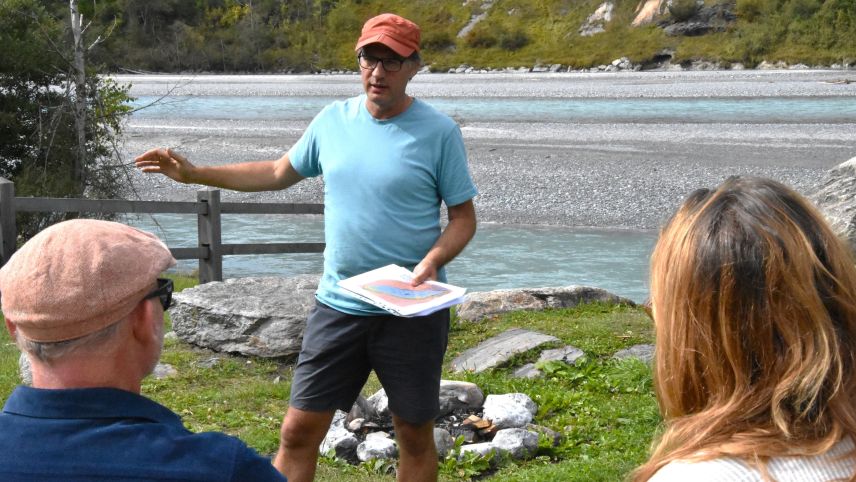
[{"x": 167, "y": 162}]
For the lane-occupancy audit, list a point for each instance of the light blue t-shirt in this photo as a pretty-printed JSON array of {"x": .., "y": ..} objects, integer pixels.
[{"x": 383, "y": 184}]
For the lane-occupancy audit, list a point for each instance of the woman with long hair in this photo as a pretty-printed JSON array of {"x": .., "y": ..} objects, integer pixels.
[{"x": 754, "y": 302}]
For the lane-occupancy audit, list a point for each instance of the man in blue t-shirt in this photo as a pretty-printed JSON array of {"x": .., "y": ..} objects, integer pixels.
[
  {"x": 388, "y": 161},
  {"x": 83, "y": 300}
]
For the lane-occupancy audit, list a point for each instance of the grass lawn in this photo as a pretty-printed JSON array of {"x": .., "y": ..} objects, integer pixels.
[{"x": 604, "y": 408}]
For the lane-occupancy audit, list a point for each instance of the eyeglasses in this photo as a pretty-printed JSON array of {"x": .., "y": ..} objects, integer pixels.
[
  {"x": 163, "y": 292},
  {"x": 391, "y": 64}
]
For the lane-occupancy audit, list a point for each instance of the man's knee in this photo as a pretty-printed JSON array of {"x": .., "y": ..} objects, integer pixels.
[
  {"x": 301, "y": 428},
  {"x": 414, "y": 437}
]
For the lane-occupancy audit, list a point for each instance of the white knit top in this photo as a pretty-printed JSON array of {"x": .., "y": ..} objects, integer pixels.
[{"x": 826, "y": 467}]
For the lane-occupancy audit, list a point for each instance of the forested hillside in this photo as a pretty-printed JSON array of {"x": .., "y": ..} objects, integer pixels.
[{"x": 310, "y": 35}]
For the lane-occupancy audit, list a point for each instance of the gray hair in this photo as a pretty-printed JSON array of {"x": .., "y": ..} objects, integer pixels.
[{"x": 51, "y": 351}]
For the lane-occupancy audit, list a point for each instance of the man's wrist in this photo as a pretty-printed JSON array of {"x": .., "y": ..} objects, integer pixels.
[{"x": 191, "y": 176}]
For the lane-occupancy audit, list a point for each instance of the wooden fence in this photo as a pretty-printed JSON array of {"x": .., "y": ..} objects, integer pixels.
[{"x": 208, "y": 209}]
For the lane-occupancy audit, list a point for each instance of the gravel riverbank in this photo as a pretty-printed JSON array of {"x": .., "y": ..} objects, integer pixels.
[{"x": 627, "y": 175}]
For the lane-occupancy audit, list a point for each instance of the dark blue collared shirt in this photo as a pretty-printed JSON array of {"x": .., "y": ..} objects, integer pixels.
[{"x": 101, "y": 434}]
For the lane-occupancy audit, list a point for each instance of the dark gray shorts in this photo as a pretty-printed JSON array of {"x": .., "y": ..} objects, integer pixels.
[{"x": 340, "y": 350}]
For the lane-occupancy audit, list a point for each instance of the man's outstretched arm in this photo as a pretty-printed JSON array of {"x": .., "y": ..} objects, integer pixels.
[
  {"x": 246, "y": 176},
  {"x": 453, "y": 240}
]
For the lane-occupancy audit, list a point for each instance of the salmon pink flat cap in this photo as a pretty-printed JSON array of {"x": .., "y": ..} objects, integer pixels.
[
  {"x": 79, "y": 276},
  {"x": 397, "y": 33}
]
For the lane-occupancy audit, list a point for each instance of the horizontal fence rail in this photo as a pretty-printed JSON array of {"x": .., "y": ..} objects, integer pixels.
[{"x": 207, "y": 208}]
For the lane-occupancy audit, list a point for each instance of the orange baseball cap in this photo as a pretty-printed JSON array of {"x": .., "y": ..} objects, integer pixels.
[{"x": 397, "y": 33}]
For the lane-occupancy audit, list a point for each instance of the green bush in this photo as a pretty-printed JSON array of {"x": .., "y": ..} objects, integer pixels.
[
  {"x": 480, "y": 39},
  {"x": 437, "y": 41},
  {"x": 513, "y": 40}
]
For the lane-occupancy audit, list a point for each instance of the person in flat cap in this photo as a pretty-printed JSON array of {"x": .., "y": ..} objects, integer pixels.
[
  {"x": 82, "y": 299},
  {"x": 389, "y": 162}
]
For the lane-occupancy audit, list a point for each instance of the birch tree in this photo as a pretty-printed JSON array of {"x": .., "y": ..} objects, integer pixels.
[{"x": 59, "y": 121}]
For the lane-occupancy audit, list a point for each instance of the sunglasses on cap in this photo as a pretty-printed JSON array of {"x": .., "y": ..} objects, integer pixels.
[{"x": 163, "y": 292}]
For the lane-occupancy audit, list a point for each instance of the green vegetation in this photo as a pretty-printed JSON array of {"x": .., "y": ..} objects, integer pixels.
[
  {"x": 59, "y": 121},
  {"x": 309, "y": 35},
  {"x": 604, "y": 408}
]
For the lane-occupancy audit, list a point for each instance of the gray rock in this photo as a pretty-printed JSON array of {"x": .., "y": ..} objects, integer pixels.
[
  {"x": 377, "y": 448},
  {"x": 835, "y": 198},
  {"x": 482, "y": 304},
  {"x": 444, "y": 441},
  {"x": 765, "y": 65},
  {"x": 360, "y": 409},
  {"x": 483, "y": 449},
  {"x": 379, "y": 408},
  {"x": 475, "y": 19},
  {"x": 499, "y": 349},
  {"x": 712, "y": 18},
  {"x": 704, "y": 65},
  {"x": 356, "y": 424},
  {"x": 550, "y": 434},
  {"x": 597, "y": 21},
  {"x": 511, "y": 410},
  {"x": 623, "y": 63},
  {"x": 526, "y": 371},
  {"x": 568, "y": 354},
  {"x": 164, "y": 370},
  {"x": 642, "y": 352},
  {"x": 338, "y": 439},
  {"x": 262, "y": 317},
  {"x": 455, "y": 395},
  {"x": 209, "y": 362},
  {"x": 378, "y": 435},
  {"x": 518, "y": 442},
  {"x": 687, "y": 29}
]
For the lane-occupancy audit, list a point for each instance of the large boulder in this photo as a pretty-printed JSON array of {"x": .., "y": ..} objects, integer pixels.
[
  {"x": 694, "y": 18},
  {"x": 482, "y": 304},
  {"x": 835, "y": 198},
  {"x": 262, "y": 317}
]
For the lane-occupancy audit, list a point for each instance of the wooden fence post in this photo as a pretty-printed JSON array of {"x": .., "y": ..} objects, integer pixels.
[
  {"x": 8, "y": 228},
  {"x": 209, "y": 229}
]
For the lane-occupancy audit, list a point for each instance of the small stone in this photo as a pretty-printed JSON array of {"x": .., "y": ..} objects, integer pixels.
[{"x": 356, "y": 424}]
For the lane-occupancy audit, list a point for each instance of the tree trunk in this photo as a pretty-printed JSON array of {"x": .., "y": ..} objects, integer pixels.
[{"x": 79, "y": 75}]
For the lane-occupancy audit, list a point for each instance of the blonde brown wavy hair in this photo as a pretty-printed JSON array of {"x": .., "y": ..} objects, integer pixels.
[{"x": 753, "y": 300}]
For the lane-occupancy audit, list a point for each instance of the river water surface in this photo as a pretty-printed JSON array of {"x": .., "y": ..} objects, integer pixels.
[{"x": 575, "y": 172}]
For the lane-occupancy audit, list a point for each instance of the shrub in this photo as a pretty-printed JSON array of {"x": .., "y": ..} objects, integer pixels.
[
  {"x": 513, "y": 40},
  {"x": 480, "y": 39},
  {"x": 437, "y": 41}
]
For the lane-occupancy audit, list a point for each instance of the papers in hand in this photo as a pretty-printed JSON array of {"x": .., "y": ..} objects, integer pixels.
[{"x": 389, "y": 288}]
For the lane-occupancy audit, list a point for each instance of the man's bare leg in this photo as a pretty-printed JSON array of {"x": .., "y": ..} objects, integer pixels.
[
  {"x": 417, "y": 454},
  {"x": 300, "y": 437}
]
